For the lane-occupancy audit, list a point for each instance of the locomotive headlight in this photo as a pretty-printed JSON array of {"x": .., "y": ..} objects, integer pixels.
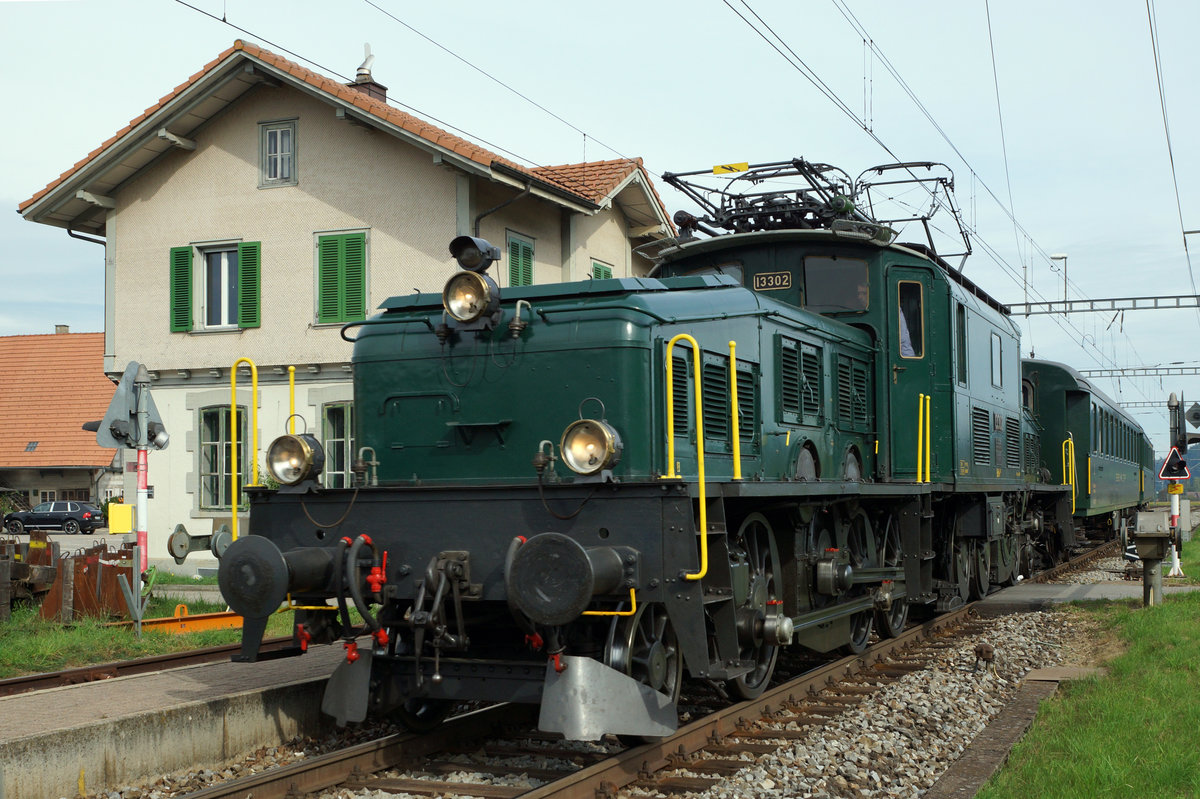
[
  {"x": 291, "y": 459},
  {"x": 468, "y": 295},
  {"x": 589, "y": 446}
]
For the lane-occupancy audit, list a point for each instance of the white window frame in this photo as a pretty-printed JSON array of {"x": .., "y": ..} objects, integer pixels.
[
  {"x": 228, "y": 312},
  {"x": 223, "y": 452},
  {"x": 278, "y": 160},
  {"x": 338, "y": 448}
]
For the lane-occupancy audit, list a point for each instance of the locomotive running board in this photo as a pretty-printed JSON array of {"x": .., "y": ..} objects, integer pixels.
[{"x": 587, "y": 699}]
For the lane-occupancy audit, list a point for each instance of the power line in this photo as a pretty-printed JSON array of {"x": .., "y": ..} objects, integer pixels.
[
  {"x": 565, "y": 179},
  {"x": 1162, "y": 101}
]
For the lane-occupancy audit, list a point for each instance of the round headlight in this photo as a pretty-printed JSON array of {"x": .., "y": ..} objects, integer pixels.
[
  {"x": 589, "y": 446},
  {"x": 467, "y": 295},
  {"x": 291, "y": 459}
]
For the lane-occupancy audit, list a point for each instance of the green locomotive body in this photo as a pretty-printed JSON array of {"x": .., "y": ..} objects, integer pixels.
[{"x": 789, "y": 435}]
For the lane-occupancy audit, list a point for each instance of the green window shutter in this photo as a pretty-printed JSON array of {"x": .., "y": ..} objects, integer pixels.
[
  {"x": 181, "y": 289},
  {"x": 526, "y": 264},
  {"x": 249, "y": 284},
  {"x": 520, "y": 263},
  {"x": 342, "y": 278},
  {"x": 354, "y": 277},
  {"x": 601, "y": 271},
  {"x": 327, "y": 279},
  {"x": 514, "y": 262}
]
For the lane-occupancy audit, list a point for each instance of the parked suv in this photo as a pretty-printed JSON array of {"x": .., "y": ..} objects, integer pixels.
[{"x": 70, "y": 517}]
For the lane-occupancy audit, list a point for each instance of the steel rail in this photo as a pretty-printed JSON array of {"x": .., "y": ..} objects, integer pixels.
[{"x": 325, "y": 771}]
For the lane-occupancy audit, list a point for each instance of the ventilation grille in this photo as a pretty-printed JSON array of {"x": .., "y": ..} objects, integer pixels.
[
  {"x": 1033, "y": 447},
  {"x": 790, "y": 379},
  {"x": 680, "y": 398},
  {"x": 716, "y": 402},
  {"x": 747, "y": 388},
  {"x": 853, "y": 386},
  {"x": 1012, "y": 443},
  {"x": 981, "y": 436},
  {"x": 799, "y": 381},
  {"x": 810, "y": 386}
]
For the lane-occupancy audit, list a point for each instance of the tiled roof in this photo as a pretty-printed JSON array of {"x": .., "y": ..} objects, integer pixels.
[
  {"x": 586, "y": 181},
  {"x": 49, "y": 386}
]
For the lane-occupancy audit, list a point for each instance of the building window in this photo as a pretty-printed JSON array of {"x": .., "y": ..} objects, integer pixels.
[
  {"x": 48, "y": 495},
  {"x": 601, "y": 271},
  {"x": 229, "y": 283},
  {"x": 216, "y": 456},
  {"x": 337, "y": 426},
  {"x": 520, "y": 260},
  {"x": 220, "y": 288},
  {"x": 341, "y": 278},
  {"x": 278, "y": 154},
  {"x": 31, "y": 446}
]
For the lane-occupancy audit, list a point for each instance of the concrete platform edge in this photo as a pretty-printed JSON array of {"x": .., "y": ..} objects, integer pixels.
[{"x": 128, "y": 749}]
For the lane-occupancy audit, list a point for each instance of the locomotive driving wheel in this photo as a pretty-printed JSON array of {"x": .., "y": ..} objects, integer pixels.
[
  {"x": 890, "y": 622},
  {"x": 981, "y": 568},
  {"x": 755, "y": 541},
  {"x": 863, "y": 555},
  {"x": 645, "y": 647}
]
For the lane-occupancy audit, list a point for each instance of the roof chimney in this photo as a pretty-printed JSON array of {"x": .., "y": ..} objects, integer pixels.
[
  {"x": 363, "y": 81},
  {"x": 62, "y": 328}
]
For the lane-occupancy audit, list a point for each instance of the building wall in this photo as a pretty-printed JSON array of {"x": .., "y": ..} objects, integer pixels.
[
  {"x": 35, "y": 485},
  {"x": 350, "y": 179}
]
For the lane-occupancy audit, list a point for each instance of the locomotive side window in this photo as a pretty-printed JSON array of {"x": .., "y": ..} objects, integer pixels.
[
  {"x": 997, "y": 367},
  {"x": 910, "y": 320},
  {"x": 733, "y": 269},
  {"x": 834, "y": 285},
  {"x": 960, "y": 343}
]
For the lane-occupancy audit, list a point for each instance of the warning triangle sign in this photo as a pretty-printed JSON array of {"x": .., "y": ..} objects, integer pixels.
[{"x": 1174, "y": 467}]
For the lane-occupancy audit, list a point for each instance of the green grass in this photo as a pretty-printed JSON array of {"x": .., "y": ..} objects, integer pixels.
[
  {"x": 170, "y": 578},
  {"x": 1128, "y": 733},
  {"x": 29, "y": 645}
]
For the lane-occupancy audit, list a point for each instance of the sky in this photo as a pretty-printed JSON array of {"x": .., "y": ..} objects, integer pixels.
[{"x": 1050, "y": 110}]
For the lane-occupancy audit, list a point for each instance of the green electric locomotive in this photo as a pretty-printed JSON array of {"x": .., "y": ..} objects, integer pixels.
[{"x": 788, "y": 434}]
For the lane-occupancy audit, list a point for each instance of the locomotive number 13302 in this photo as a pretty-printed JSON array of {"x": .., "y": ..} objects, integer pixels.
[{"x": 772, "y": 281}]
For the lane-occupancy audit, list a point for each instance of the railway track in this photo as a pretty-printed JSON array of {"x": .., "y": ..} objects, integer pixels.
[
  {"x": 1079, "y": 562},
  {"x": 693, "y": 759}
]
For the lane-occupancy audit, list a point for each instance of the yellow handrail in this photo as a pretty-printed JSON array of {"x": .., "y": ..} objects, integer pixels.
[
  {"x": 699, "y": 443},
  {"x": 234, "y": 493},
  {"x": 632, "y": 608},
  {"x": 737, "y": 441},
  {"x": 1089, "y": 491},
  {"x": 1068, "y": 464},
  {"x": 928, "y": 438},
  {"x": 291, "y": 400},
  {"x": 920, "y": 437}
]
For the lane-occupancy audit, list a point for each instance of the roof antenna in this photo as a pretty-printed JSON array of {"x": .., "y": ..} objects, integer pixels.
[{"x": 364, "y": 70}]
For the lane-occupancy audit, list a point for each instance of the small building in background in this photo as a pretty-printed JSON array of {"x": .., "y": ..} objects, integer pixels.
[{"x": 49, "y": 386}]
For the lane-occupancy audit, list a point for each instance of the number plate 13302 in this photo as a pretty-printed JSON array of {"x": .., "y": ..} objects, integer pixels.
[{"x": 772, "y": 281}]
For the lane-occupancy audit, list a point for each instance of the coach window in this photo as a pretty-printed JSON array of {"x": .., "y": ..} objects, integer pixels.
[{"x": 910, "y": 320}]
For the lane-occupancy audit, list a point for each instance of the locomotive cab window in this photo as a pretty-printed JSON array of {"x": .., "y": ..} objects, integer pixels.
[
  {"x": 910, "y": 320},
  {"x": 833, "y": 285},
  {"x": 997, "y": 364},
  {"x": 732, "y": 269}
]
